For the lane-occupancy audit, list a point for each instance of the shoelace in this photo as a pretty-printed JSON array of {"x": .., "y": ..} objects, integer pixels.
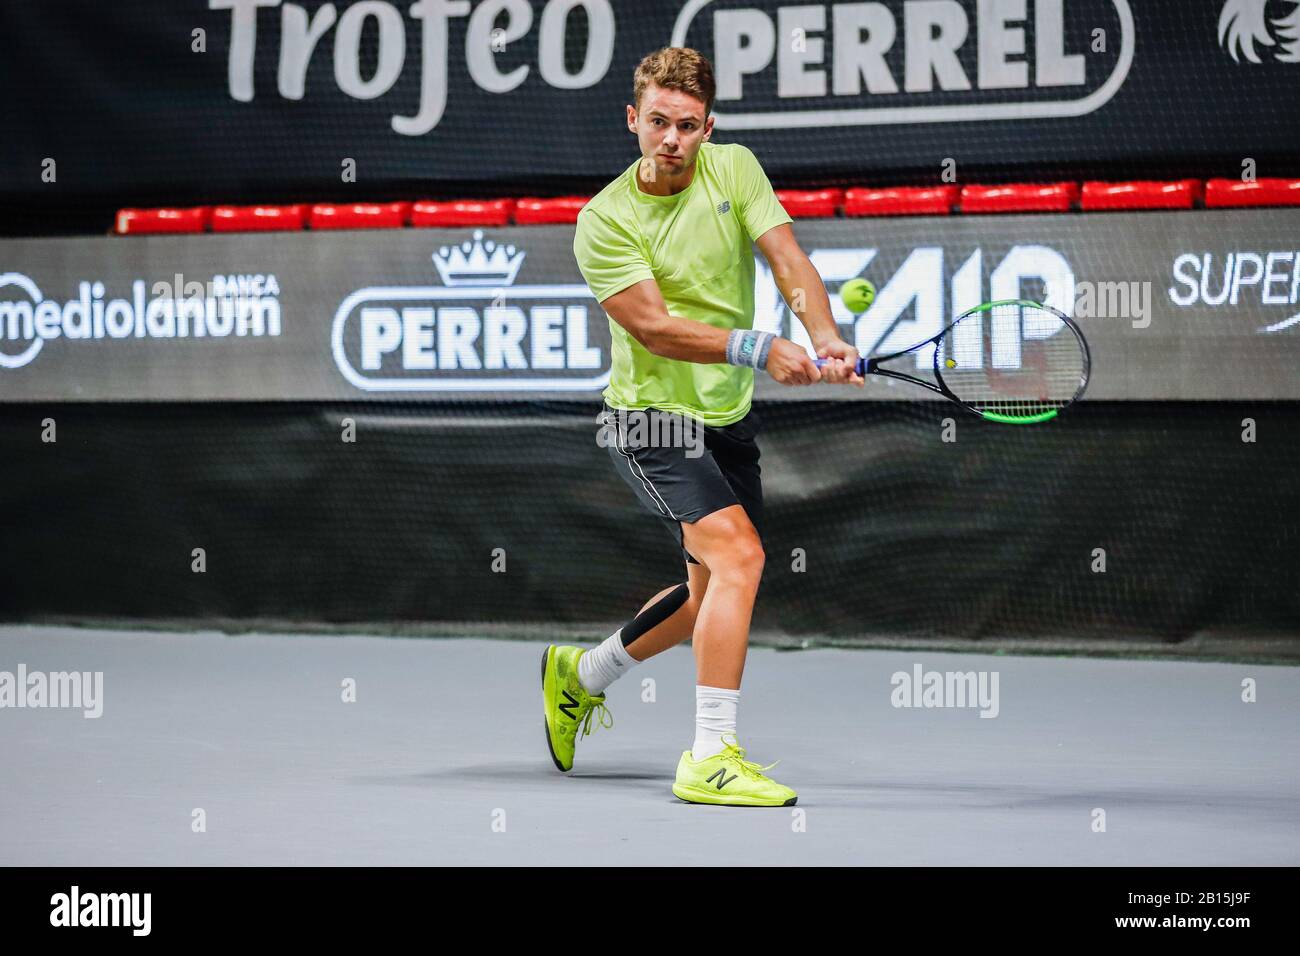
[
  {"x": 596, "y": 705},
  {"x": 750, "y": 767}
]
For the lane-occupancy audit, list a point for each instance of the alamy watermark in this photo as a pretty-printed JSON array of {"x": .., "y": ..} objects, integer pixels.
[
  {"x": 128, "y": 910},
  {"x": 922, "y": 688},
  {"x": 632, "y": 429},
  {"x": 1131, "y": 301},
  {"x": 63, "y": 689}
]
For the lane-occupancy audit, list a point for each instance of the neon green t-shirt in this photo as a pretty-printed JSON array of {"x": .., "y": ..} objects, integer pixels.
[{"x": 697, "y": 246}]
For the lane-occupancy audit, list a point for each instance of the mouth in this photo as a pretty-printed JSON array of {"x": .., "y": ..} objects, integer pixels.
[{"x": 675, "y": 159}]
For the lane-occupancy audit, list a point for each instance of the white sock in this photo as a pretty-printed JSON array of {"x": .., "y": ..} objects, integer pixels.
[
  {"x": 602, "y": 665},
  {"x": 715, "y": 715}
]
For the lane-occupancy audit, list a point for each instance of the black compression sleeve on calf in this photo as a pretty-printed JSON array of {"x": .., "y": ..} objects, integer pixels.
[{"x": 656, "y": 613}]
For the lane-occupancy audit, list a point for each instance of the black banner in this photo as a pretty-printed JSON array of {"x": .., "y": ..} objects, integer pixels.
[
  {"x": 125, "y": 904},
  {"x": 202, "y": 100}
]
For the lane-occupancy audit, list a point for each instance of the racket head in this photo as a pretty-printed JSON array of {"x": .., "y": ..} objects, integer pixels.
[{"x": 1013, "y": 361}]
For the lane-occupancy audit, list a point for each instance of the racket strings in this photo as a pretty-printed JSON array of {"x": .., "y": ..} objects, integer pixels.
[{"x": 1016, "y": 360}]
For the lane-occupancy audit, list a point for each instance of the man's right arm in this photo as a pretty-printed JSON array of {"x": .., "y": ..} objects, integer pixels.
[
  {"x": 619, "y": 276},
  {"x": 641, "y": 310}
]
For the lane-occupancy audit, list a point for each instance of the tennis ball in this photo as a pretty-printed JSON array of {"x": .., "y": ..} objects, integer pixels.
[
  {"x": 951, "y": 363},
  {"x": 857, "y": 295}
]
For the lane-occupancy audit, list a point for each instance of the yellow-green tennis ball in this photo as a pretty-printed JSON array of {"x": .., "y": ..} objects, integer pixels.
[
  {"x": 951, "y": 363},
  {"x": 857, "y": 295}
]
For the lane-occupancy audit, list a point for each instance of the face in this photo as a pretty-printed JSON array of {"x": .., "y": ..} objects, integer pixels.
[{"x": 670, "y": 127}]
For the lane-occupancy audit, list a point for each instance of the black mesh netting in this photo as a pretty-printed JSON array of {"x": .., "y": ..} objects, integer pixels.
[{"x": 876, "y": 526}]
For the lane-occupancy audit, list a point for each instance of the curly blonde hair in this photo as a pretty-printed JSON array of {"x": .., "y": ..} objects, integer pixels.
[{"x": 676, "y": 68}]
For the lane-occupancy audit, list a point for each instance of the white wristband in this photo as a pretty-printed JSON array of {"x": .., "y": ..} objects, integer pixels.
[{"x": 749, "y": 347}]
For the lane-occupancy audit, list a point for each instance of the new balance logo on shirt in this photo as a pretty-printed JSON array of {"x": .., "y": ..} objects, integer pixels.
[{"x": 724, "y": 207}]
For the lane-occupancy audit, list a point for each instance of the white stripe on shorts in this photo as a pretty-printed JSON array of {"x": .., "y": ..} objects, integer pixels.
[{"x": 645, "y": 480}]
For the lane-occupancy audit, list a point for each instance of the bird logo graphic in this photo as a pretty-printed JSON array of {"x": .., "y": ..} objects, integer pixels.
[{"x": 1244, "y": 26}]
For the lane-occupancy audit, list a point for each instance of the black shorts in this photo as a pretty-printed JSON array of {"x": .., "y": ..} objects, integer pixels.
[{"x": 683, "y": 470}]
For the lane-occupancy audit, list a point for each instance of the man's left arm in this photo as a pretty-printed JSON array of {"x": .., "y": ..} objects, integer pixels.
[{"x": 805, "y": 294}]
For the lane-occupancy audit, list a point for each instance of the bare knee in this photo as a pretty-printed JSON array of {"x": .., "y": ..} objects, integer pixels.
[
  {"x": 750, "y": 558},
  {"x": 728, "y": 545}
]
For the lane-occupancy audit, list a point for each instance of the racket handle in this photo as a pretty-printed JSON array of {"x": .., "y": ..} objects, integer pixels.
[{"x": 860, "y": 366}]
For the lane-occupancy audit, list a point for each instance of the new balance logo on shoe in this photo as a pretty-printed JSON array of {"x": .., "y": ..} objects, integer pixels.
[
  {"x": 722, "y": 778},
  {"x": 568, "y": 709}
]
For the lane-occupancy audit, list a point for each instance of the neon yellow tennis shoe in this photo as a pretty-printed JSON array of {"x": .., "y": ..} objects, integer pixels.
[
  {"x": 727, "y": 779},
  {"x": 567, "y": 705}
]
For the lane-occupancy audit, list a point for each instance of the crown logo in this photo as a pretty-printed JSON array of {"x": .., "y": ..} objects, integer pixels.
[{"x": 478, "y": 263}]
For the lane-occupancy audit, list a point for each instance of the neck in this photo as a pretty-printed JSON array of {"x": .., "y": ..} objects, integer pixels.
[{"x": 665, "y": 183}]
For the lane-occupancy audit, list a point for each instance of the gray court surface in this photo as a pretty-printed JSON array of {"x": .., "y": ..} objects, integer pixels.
[{"x": 441, "y": 759}]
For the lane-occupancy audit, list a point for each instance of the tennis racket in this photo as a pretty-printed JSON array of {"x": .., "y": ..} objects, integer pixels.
[{"x": 1015, "y": 362}]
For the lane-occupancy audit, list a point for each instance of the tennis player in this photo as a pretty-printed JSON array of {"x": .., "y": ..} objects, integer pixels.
[{"x": 666, "y": 249}]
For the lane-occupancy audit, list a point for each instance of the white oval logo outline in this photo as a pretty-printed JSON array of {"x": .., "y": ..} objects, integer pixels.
[
  {"x": 961, "y": 113},
  {"x": 493, "y": 383},
  {"x": 28, "y": 286}
]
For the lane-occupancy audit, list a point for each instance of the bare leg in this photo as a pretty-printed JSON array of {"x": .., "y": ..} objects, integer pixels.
[
  {"x": 727, "y": 543},
  {"x": 677, "y": 627}
]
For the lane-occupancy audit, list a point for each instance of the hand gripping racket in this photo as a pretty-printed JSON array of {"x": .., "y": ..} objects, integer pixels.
[{"x": 1016, "y": 362}]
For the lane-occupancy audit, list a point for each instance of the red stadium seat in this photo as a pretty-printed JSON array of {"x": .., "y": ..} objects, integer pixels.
[
  {"x": 910, "y": 201},
  {"x": 532, "y": 212},
  {"x": 359, "y": 215},
  {"x": 1181, "y": 194},
  {"x": 810, "y": 203},
  {"x": 147, "y": 221},
  {"x": 463, "y": 212},
  {"x": 1227, "y": 193},
  {"x": 1019, "y": 197},
  {"x": 258, "y": 218}
]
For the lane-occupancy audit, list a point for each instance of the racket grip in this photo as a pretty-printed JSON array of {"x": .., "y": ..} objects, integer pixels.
[{"x": 860, "y": 366}]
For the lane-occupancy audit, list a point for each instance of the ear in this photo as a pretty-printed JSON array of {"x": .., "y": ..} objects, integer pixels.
[
  {"x": 631, "y": 119},
  {"x": 708, "y": 127}
]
